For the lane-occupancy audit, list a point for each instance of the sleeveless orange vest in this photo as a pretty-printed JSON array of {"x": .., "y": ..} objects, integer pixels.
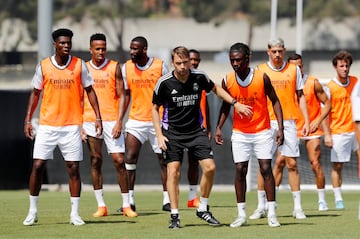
[
  {"x": 313, "y": 107},
  {"x": 252, "y": 95},
  {"x": 62, "y": 94},
  {"x": 284, "y": 83},
  {"x": 105, "y": 88},
  {"x": 341, "y": 120},
  {"x": 142, "y": 84},
  {"x": 203, "y": 108}
]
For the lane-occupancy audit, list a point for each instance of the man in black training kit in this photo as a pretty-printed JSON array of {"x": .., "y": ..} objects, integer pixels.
[{"x": 179, "y": 92}]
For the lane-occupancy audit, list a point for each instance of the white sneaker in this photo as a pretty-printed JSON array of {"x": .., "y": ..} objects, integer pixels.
[
  {"x": 240, "y": 221},
  {"x": 323, "y": 206},
  {"x": 258, "y": 213},
  {"x": 76, "y": 220},
  {"x": 298, "y": 214},
  {"x": 30, "y": 219},
  {"x": 273, "y": 222}
]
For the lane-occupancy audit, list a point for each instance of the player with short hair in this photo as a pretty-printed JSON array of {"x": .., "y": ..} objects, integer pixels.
[
  {"x": 109, "y": 88},
  {"x": 193, "y": 170},
  {"x": 287, "y": 81},
  {"x": 179, "y": 92},
  {"x": 251, "y": 135},
  {"x": 62, "y": 78},
  {"x": 342, "y": 127},
  {"x": 140, "y": 75},
  {"x": 318, "y": 108}
]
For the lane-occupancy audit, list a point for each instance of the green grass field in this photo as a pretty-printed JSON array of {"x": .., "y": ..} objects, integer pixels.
[{"x": 54, "y": 209}]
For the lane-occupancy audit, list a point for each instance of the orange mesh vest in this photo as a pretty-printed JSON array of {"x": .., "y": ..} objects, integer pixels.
[
  {"x": 284, "y": 83},
  {"x": 252, "y": 95},
  {"x": 62, "y": 94},
  {"x": 341, "y": 114},
  {"x": 203, "y": 108},
  {"x": 105, "y": 88},
  {"x": 313, "y": 107},
  {"x": 142, "y": 84}
]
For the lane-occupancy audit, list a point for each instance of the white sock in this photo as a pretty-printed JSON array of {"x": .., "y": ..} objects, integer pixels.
[
  {"x": 125, "y": 200},
  {"x": 75, "y": 202},
  {"x": 99, "y": 195},
  {"x": 131, "y": 197},
  {"x": 271, "y": 208},
  {"x": 297, "y": 200},
  {"x": 337, "y": 194},
  {"x": 203, "y": 204},
  {"x": 261, "y": 199},
  {"x": 33, "y": 203},
  {"x": 166, "y": 197},
  {"x": 175, "y": 211},
  {"x": 321, "y": 195},
  {"x": 192, "y": 192},
  {"x": 241, "y": 209}
]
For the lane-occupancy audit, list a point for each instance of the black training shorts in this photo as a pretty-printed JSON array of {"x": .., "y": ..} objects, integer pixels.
[{"x": 196, "y": 142}]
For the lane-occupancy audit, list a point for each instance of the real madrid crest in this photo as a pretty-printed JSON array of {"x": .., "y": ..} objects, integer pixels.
[{"x": 195, "y": 87}]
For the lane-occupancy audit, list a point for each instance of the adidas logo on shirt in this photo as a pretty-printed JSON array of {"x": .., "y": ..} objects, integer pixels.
[{"x": 173, "y": 92}]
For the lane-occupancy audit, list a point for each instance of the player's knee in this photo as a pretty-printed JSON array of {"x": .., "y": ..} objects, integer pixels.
[
  {"x": 280, "y": 164},
  {"x": 39, "y": 165},
  {"x": 209, "y": 168},
  {"x": 96, "y": 162},
  {"x": 241, "y": 168},
  {"x": 315, "y": 165},
  {"x": 292, "y": 165}
]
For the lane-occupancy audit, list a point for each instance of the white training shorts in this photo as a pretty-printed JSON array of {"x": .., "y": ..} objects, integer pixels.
[
  {"x": 290, "y": 147},
  {"x": 343, "y": 144},
  {"x": 113, "y": 145},
  {"x": 244, "y": 146},
  {"x": 305, "y": 138},
  {"x": 143, "y": 131},
  {"x": 68, "y": 139}
]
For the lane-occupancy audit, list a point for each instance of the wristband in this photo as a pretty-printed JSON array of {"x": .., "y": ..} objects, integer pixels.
[
  {"x": 98, "y": 119},
  {"x": 233, "y": 102}
]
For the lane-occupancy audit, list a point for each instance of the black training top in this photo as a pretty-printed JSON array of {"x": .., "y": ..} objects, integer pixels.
[{"x": 181, "y": 101}]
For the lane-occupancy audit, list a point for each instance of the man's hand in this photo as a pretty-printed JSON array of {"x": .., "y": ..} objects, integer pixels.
[
  {"x": 218, "y": 136},
  {"x": 243, "y": 110},
  {"x": 28, "y": 130}
]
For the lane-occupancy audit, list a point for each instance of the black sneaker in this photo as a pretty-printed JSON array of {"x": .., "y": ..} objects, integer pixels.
[
  {"x": 174, "y": 221},
  {"x": 208, "y": 217},
  {"x": 120, "y": 210},
  {"x": 166, "y": 207}
]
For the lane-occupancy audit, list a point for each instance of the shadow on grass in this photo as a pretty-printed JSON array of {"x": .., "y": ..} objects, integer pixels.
[
  {"x": 323, "y": 215},
  {"x": 211, "y": 207},
  {"x": 140, "y": 214},
  {"x": 204, "y": 225},
  {"x": 109, "y": 222},
  {"x": 312, "y": 216}
]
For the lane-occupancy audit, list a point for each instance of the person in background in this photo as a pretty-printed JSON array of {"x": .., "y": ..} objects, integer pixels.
[
  {"x": 193, "y": 170},
  {"x": 341, "y": 121},
  {"x": 109, "y": 88},
  {"x": 140, "y": 75},
  {"x": 62, "y": 78},
  {"x": 194, "y": 58},
  {"x": 179, "y": 92},
  {"x": 318, "y": 108},
  {"x": 355, "y": 101},
  {"x": 287, "y": 81},
  {"x": 251, "y": 135}
]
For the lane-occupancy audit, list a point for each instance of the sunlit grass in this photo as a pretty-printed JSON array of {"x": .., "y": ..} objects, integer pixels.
[{"x": 54, "y": 209}]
